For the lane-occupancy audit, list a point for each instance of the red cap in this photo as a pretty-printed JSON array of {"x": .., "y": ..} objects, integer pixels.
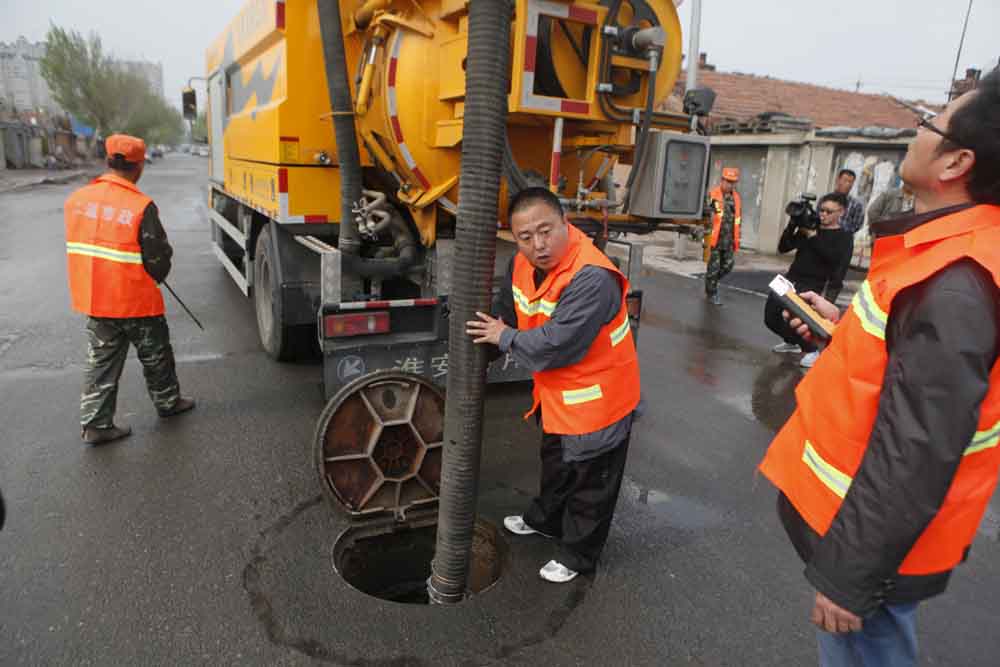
[
  {"x": 731, "y": 174},
  {"x": 132, "y": 149}
]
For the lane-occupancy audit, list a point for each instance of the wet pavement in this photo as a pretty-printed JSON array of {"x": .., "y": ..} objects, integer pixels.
[{"x": 205, "y": 539}]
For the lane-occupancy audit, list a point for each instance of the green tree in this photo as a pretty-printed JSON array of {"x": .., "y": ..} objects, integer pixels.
[
  {"x": 82, "y": 77},
  {"x": 92, "y": 86}
]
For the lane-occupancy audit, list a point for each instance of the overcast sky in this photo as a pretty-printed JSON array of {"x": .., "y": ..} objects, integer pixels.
[{"x": 906, "y": 47}]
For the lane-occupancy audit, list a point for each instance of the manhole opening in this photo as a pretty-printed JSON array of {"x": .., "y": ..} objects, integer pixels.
[{"x": 393, "y": 561}]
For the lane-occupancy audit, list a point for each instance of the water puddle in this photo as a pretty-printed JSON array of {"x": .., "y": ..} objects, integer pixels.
[{"x": 679, "y": 512}]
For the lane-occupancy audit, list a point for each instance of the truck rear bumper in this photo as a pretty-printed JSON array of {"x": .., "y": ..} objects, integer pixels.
[{"x": 416, "y": 342}]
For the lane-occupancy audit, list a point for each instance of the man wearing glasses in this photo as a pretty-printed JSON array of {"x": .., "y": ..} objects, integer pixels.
[
  {"x": 883, "y": 500},
  {"x": 819, "y": 254}
]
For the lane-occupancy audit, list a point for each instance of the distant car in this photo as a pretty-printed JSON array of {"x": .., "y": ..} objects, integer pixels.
[
  {"x": 204, "y": 151},
  {"x": 185, "y": 148},
  {"x": 156, "y": 152}
]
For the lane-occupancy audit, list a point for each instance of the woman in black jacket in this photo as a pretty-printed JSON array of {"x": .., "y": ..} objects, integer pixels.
[{"x": 817, "y": 266}]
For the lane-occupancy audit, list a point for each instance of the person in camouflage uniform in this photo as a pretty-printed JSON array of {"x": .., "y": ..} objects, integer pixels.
[
  {"x": 724, "y": 241},
  {"x": 115, "y": 266}
]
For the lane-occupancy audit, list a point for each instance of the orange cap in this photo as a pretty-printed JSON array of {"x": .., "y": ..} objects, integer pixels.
[
  {"x": 132, "y": 149},
  {"x": 731, "y": 174}
]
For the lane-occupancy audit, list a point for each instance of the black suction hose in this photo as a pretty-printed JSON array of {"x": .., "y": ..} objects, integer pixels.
[
  {"x": 483, "y": 136},
  {"x": 348, "y": 155}
]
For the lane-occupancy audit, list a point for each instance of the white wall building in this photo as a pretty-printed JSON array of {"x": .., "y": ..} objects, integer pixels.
[{"x": 22, "y": 87}]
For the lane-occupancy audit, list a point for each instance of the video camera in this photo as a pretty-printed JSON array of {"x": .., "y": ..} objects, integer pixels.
[{"x": 801, "y": 212}]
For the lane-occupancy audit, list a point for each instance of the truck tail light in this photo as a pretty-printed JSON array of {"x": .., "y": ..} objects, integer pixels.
[{"x": 342, "y": 325}]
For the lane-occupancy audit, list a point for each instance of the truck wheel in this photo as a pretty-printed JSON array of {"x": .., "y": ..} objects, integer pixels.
[{"x": 275, "y": 337}]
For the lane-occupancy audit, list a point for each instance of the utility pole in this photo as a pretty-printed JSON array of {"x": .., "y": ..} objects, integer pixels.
[
  {"x": 958, "y": 56},
  {"x": 694, "y": 53}
]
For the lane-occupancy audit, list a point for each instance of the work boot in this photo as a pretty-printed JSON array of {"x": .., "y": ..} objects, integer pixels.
[
  {"x": 182, "y": 405},
  {"x": 99, "y": 436},
  {"x": 716, "y": 299}
]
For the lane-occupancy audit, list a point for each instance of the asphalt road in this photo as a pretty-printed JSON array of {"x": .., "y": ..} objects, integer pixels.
[{"x": 204, "y": 539}]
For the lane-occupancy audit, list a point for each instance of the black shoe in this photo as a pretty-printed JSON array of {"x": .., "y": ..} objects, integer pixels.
[
  {"x": 100, "y": 436},
  {"x": 182, "y": 405}
]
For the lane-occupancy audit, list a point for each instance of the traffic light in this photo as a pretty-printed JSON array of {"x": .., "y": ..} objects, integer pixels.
[{"x": 189, "y": 104}]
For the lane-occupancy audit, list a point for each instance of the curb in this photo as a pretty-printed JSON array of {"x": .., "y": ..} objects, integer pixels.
[{"x": 51, "y": 180}]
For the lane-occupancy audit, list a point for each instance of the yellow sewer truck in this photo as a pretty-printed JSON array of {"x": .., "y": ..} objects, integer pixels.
[{"x": 369, "y": 279}]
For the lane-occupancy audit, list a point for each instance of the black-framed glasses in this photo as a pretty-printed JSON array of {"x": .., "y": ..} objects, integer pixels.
[
  {"x": 924, "y": 118},
  {"x": 925, "y": 122},
  {"x": 830, "y": 211}
]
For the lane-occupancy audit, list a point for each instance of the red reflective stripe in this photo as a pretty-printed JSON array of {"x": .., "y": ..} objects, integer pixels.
[
  {"x": 279, "y": 19},
  {"x": 420, "y": 177},
  {"x": 392, "y": 73},
  {"x": 554, "y": 171},
  {"x": 530, "y": 47},
  {"x": 292, "y": 139},
  {"x": 582, "y": 15},
  {"x": 282, "y": 180},
  {"x": 395, "y": 303},
  {"x": 315, "y": 218},
  {"x": 396, "y": 129},
  {"x": 569, "y": 106}
]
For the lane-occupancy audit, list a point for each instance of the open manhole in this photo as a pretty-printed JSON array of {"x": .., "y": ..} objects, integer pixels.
[
  {"x": 393, "y": 561},
  {"x": 378, "y": 448}
]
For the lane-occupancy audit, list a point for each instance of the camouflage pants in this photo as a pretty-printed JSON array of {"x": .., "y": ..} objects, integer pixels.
[
  {"x": 720, "y": 263},
  {"x": 109, "y": 341}
]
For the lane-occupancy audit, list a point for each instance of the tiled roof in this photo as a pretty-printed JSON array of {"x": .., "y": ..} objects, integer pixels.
[{"x": 744, "y": 96}]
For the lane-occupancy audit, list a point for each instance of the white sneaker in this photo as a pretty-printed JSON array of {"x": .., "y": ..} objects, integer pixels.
[
  {"x": 808, "y": 360},
  {"x": 557, "y": 573},
  {"x": 516, "y": 525},
  {"x": 786, "y": 348}
]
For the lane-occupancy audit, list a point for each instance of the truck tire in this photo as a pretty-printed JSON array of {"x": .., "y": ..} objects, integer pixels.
[{"x": 277, "y": 339}]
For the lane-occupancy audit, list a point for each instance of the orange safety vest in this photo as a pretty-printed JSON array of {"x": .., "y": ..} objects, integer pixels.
[
  {"x": 601, "y": 388},
  {"x": 106, "y": 274},
  {"x": 718, "y": 208},
  {"x": 815, "y": 455}
]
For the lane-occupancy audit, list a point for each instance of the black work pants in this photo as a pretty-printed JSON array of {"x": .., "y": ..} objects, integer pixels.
[
  {"x": 577, "y": 500},
  {"x": 774, "y": 320}
]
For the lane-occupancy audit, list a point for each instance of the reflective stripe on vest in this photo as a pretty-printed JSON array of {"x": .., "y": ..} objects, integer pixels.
[
  {"x": 839, "y": 483},
  {"x": 103, "y": 252},
  {"x": 619, "y": 334},
  {"x": 873, "y": 318},
  {"x": 530, "y": 308},
  {"x": 547, "y": 308},
  {"x": 585, "y": 395}
]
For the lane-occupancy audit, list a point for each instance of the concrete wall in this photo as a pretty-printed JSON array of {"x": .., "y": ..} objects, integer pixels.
[{"x": 777, "y": 168}]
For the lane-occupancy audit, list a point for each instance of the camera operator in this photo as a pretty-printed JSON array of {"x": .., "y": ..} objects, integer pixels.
[{"x": 820, "y": 245}]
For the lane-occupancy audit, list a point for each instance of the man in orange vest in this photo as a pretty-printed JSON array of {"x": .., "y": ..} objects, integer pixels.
[
  {"x": 117, "y": 252},
  {"x": 727, "y": 214},
  {"x": 890, "y": 459},
  {"x": 569, "y": 303}
]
